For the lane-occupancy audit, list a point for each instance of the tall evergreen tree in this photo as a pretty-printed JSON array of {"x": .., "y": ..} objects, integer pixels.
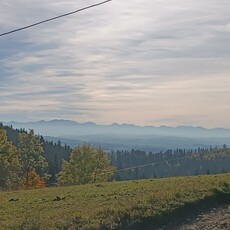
[
  {"x": 9, "y": 163},
  {"x": 30, "y": 150}
]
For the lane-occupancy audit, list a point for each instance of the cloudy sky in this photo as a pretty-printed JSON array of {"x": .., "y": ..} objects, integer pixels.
[{"x": 158, "y": 62}]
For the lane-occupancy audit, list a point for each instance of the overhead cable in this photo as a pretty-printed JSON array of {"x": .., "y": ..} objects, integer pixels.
[
  {"x": 150, "y": 164},
  {"x": 54, "y": 18}
]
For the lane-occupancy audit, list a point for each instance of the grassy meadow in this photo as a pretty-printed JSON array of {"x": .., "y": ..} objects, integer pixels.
[{"x": 111, "y": 205}]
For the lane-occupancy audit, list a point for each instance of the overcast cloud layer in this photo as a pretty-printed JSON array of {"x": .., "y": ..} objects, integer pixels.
[{"x": 135, "y": 61}]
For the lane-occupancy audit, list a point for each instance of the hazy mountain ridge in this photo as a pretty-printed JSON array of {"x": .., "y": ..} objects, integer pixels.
[
  {"x": 128, "y": 136},
  {"x": 115, "y": 128}
]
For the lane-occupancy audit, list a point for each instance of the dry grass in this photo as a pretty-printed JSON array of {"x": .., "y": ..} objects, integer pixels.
[{"x": 104, "y": 206}]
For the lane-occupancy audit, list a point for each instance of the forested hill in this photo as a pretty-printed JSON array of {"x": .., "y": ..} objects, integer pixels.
[
  {"x": 180, "y": 162},
  {"x": 128, "y": 136},
  {"x": 53, "y": 153},
  {"x": 142, "y": 164}
]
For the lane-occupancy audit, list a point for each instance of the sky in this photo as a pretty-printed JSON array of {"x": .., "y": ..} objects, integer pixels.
[{"x": 135, "y": 61}]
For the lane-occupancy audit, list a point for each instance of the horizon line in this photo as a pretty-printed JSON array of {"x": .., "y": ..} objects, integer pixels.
[{"x": 119, "y": 124}]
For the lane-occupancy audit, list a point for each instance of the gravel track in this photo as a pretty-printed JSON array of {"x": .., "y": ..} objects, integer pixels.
[{"x": 214, "y": 219}]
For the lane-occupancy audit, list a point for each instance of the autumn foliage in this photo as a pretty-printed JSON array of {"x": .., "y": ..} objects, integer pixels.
[
  {"x": 22, "y": 166},
  {"x": 33, "y": 181}
]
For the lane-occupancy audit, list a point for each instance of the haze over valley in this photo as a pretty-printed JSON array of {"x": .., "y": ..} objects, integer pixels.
[{"x": 127, "y": 136}]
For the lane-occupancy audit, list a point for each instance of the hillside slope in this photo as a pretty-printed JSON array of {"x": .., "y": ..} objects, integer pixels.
[{"x": 115, "y": 205}]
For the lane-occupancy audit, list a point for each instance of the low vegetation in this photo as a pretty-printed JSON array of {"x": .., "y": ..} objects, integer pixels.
[{"x": 110, "y": 205}]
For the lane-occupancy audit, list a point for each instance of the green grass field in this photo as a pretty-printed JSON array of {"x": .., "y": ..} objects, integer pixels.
[{"x": 107, "y": 205}]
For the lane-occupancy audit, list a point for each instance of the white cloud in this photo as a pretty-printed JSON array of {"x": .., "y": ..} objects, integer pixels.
[{"x": 136, "y": 61}]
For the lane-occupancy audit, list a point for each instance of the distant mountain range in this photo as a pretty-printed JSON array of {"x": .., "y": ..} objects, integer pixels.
[{"x": 127, "y": 136}]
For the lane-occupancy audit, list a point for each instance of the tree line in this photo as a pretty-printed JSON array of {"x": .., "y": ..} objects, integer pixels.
[
  {"x": 54, "y": 153},
  {"x": 29, "y": 161},
  {"x": 178, "y": 162},
  {"x": 22, "y": 166}
]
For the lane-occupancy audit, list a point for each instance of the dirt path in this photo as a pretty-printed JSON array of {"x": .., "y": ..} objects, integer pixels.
[
  {"x": 204, "y": 216},
  {"x": 214, "y": 219}
]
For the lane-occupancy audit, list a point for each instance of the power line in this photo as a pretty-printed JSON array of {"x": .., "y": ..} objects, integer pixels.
[
  {"x": 142, "y": 166},
  {"x": 150, "y": 164},
  {"x": 54, "y": 18}
]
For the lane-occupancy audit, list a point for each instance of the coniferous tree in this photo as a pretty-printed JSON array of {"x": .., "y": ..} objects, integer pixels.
[
  {"x": 9, "y": 163},
  {"x": 30, "y": 150}
]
